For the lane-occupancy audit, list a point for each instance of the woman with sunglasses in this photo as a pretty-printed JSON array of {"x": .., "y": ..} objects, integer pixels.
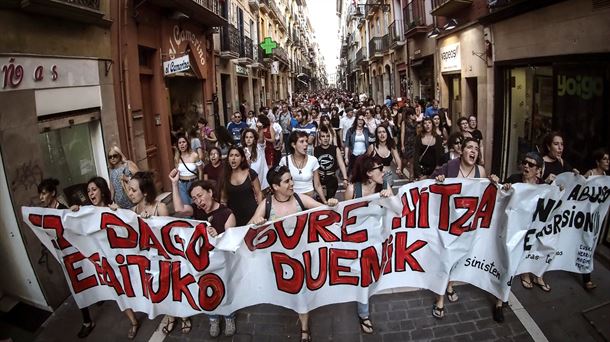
[
  {"x": 367, "y": 179},
  {"x": 531, "y": 165},
  {"x": 284, "y": 201},
  {"x": 384, "y": 148},
  {"x": 47, "y": 193},
  {"x": 121, "y": 171},
  {"x": 454, "y": 145},
  {"x": 463, "y": 167}
]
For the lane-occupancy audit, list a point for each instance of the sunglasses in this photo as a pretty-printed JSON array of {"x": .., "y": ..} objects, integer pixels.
[
  {"x": 379, "y": 167},
  {"x": 457, "y": 142},
  {"x": 529, "y": 163},
  {"x": 112, "y": 156}
]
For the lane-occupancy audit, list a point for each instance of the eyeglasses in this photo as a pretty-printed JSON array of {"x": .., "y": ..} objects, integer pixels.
[
  {"x": 529, "y": 163},
  {"x": 378, "y": 167},
  {"x": 457, "y": 142},
  {"x": 112, "y": 156}
]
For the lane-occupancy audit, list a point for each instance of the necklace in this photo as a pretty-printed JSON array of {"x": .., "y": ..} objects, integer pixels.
[
  {"x": 300, "y": 165},
  {"x": 288, "y": 199},
  {"x": 469, "y": 172}
]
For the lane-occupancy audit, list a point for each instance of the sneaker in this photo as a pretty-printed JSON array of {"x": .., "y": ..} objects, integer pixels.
[
  {"x": 214, "y": 327},
  {"x": 498, "y": 314},
  {"x": 229, "y": 326}
]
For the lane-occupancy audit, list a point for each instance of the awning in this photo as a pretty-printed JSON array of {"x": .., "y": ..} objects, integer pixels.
[{"x": 417, "y": 62}]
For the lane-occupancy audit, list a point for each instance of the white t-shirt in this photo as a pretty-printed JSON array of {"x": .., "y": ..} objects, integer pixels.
[
  {"x": 278, "y": 133},
  {"x": 303, "y": 178},
  {"x": 345, "y": 124}
]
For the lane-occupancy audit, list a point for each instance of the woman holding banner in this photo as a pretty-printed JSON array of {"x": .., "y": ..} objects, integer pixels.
[
  {"x": 99, "y": 195},
  {"x": 553, "y": 161},
  {"x": 284, "y": 201},
  {"x": 463, "y": 167},
  {"x": 143, "y": 194},
  {"x": 205, "y": 207},
  {"x": 367, "y": 179},
  {"x": 47, "y": 192}
]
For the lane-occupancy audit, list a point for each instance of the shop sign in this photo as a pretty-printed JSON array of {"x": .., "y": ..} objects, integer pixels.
[
  {"x": 180, "y": 39},
  {"x": 176, "y": 65},
  {"x": 450, "y": 58},
  {"x": 275, "y": 68},
  {"x": 240, "y": 70},
  {"x": 582, "y": 86},
  {"x": 20, "y": 73}
]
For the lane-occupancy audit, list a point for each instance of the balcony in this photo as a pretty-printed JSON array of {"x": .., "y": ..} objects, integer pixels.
[
  {"x": 280, "y": 54},
  {"x": 378, "y": 46},
  {"x": 264, "y": 6},
  {"x": 446, "y": 8},
  {"x": 245, "y": 51},
  {"x": 206, "y": 12},
  {"x": 253, "y": 5},
  {"x": 396, "y": 32},
  {"x": 373, "y": 6},
  {"x": 84, "y": 11},
  {"x": 360, "y": 57},
  {"x": 229, "y": 42},
  {"x": 415, "y": 18}
]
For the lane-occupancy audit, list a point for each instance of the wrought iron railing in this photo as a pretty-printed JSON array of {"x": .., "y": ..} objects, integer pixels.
[
  {"x": 379, "y": 45},
  {"x": 229, "y": 37},
  {"x": 414, "y": 14},
  {"x": 396, "y": 31},
  {"x": 89, "y": 4},
  {"x": 210, "y": 5},
  {"x": 245, "y": 49}
]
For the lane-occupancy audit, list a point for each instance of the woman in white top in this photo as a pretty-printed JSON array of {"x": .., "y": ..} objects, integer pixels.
[
  {"x": 254, "y": 147},
  {"x": 189, "y": 166},
  {"x": 303, "y": 167},
  {"x": 371, "y": 123}
]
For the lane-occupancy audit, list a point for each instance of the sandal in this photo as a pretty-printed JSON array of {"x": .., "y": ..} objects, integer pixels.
[
  {"x": 438, "y": 312},
  {"x": 590, "y": 285},
  {"x": 133, "y": 331},
  {"x": 542, "y": 285},
  {"x": 307, "y": 337},
  {"x": 85, "y": 330},
  {"x": 526, "y": 284},
  {"x": 169, "y": 325},
  {"x": 452, "y": 296},
  {"x": 186, "y": 325},
  {"x": 366, "y": 326}
]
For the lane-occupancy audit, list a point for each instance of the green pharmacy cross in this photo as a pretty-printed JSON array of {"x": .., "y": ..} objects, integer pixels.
[{"x": 268, "y": 45}]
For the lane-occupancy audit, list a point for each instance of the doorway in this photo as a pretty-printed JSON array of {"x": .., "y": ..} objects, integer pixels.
[
  {"x": 225, "y": 88},
  {"x": 145, "y": 126}
]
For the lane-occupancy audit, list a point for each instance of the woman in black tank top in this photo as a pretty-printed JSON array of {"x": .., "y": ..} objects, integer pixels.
[
  {"x": 385, "y": 149},
  {"x": 367, "y": 179},
  {"x": 284, "y": 202}
]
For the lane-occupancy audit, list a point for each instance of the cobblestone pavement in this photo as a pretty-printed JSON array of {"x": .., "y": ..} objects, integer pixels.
[{"x": 399, "y": 316}]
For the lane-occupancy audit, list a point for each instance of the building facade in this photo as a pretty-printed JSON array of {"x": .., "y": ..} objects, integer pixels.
[{"x": 57, "y": 121}]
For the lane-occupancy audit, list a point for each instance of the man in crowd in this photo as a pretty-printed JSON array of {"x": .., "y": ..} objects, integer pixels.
[
  {"x": 432, "y": 109},
  {"x": 303, "y": 124},
  {"x": 347, "y": 120},
  {"x": 236, "y": 126}
]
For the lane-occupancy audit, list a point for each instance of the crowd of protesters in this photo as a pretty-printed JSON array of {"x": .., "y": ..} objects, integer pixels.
[{"x": 287, "y": 158}]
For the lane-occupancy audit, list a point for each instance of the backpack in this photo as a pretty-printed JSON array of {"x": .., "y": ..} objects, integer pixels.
[{"x": 268, "y": 204}]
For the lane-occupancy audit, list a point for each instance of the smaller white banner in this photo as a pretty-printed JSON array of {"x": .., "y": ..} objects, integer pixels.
[
  {"x": 450, "y": 58},
  {"x": 275, "y": 68},
  {"x": 176, "y": 65}
]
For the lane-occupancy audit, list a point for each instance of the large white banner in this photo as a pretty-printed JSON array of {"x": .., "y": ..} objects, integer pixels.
[{"x": 426, "y": 235}]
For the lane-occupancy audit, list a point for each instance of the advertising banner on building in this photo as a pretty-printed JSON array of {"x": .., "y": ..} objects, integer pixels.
[
  {"x": 426, "y": 235},
  {"x": 176, "y": 65},
  {"x": 450, "y": 58}
]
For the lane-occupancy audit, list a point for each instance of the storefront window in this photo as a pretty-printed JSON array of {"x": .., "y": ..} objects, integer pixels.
[{"x": 68, "y": 156}]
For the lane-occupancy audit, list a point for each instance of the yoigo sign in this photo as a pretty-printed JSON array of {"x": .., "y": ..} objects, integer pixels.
[
  {"x": 176, "y": 65},
  {"x": 450, "y": 58},
  {"x": 583, "y": 86}
]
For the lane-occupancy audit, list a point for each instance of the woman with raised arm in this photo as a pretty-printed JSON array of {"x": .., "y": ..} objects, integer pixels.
[
  {"x": 463, "y": 167},
  {"x": 239, "y": 187},
  {"x": 47, "y": 193},
  {"x": 367, "y": 179},
  {"x": 284, "y": 201}
]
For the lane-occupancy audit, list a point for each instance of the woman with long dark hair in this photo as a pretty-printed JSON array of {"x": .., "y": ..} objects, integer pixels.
[
  {"x": 47, "y": 193},
  {"x": 554, "y": 164},
  {"x": 254, "y": 148},
  {"x": 240, "y": 188},
  {"x": 284, "y": 201},
  {"x": 367, "y": 179},
  {"x": 428, "y": 150},
  {"x": 224, "y": 141},
  {"x": 408, "y": 134},
  {"x": 189, "y": 166},
  {"x": 213, "y": 169},
  {"x": 356, "y": 141},
  {"x": 385, "y": 149}
]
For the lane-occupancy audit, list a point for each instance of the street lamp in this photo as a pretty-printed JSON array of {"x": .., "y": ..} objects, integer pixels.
[
  {"x": 450, "y": 25},
  {"x": 434, "y": 33}
]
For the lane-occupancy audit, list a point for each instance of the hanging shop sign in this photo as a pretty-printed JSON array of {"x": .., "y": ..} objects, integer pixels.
[
  {"x": 450, "y": 58},
  {"x": 181, "y": 40},
  {"x": 176, "y": 65},
  {"x": 241, "y": 70}
]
